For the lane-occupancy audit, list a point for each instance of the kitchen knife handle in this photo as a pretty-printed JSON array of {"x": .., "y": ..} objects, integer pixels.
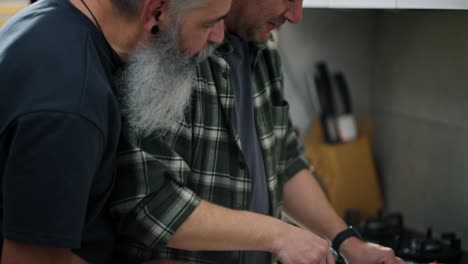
[{"x": 343, "y": 91}]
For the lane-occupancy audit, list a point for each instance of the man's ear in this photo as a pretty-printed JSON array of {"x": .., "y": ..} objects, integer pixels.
[{"x": 154, "y": 14}]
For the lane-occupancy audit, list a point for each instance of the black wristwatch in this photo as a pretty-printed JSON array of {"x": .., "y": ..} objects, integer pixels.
[{"x": 342, "y": 236}]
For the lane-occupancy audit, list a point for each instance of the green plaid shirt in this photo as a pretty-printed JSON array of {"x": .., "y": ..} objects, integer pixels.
[{"x": 162, "y": 180}]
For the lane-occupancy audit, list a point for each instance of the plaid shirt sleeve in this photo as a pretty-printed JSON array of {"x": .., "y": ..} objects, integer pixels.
[
  {"x": 293, "y": 159},
  {"x": 296, "y": 159},
  {"x": 150, "y": 199}
]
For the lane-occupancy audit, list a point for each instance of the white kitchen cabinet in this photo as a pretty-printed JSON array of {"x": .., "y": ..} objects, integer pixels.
[
  {"x": 388, "y": 4},
  {"x": 433, "y": 4},
  {"x": 373, "y": 4},
  {"x": 316, "y": 3}
]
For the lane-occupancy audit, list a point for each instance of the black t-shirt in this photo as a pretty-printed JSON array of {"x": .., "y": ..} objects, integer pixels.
[{"x": 59, "y": 129}]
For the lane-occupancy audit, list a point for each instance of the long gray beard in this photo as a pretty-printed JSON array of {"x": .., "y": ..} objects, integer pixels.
[{"x": 156, "y": 86}]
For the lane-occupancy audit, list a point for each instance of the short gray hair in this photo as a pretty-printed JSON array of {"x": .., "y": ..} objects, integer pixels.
[{"x": 133, "y": 7}]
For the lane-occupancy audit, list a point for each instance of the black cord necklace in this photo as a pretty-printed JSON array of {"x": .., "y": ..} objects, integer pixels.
[{"x": 95, "y": 20}]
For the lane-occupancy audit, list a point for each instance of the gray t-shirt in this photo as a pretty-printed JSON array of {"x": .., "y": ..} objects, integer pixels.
[{"x": 240, "y": 62}]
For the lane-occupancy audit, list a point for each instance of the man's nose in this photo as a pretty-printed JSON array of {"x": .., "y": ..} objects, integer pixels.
[
  {"x": 294, "y": 11},
  {"x": 217, "y": 33}
]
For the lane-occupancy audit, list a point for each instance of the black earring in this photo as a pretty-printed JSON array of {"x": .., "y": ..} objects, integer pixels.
[{"x": 154, "y": 30}]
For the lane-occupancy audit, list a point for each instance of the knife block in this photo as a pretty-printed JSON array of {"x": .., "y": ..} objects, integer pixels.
[{"x": 347, "y": 170}]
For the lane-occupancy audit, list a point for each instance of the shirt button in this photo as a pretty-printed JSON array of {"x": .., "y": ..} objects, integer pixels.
[
  {"x": 224, "y": 74},
  {"x": 241, "y": 165}
]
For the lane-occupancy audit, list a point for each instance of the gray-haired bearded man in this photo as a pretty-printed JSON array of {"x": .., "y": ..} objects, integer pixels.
[
  {"x": 212, "y": 189},
  {"x": 66, "y": 68}
]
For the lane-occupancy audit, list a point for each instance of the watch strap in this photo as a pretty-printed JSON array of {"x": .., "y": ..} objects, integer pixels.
[{"x": 343, "y": 235}]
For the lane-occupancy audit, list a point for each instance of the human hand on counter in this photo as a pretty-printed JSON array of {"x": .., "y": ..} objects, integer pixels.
[
  {"x": 299, "y": 246},
  {"x": 356, "y": 251}
]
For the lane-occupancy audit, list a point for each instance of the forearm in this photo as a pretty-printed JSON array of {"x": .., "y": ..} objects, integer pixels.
[
  {"x": 306, "y": 203},
  {"x": 16, "y": 253},
  {"x": 212, "y": 227}
]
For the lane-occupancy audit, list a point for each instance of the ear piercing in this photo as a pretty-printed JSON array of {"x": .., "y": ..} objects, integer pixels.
[{"x": 154, "y": 30}]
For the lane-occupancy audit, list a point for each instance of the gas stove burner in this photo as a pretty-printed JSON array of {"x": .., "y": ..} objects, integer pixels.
[
  {"x": 388, "y": 230},
  {"x": 447, "y": 249},
  {"x": 390, "y": 223},
  {"x": 384, "y": 230}
]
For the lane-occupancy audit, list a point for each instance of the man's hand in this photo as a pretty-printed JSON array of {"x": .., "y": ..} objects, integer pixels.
[
  {"x": 356, "y": 251},
  {"x": 299, "y": 246}
]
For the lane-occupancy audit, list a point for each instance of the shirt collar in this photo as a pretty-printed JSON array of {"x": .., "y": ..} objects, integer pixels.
[{"x": 225, "y": 48}]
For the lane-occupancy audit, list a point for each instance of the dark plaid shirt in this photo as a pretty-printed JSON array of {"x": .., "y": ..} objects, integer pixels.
[{"x": 161, "y": 180}]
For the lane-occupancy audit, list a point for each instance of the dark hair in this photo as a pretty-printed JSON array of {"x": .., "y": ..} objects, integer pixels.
[{"x": 133, "y": 7}]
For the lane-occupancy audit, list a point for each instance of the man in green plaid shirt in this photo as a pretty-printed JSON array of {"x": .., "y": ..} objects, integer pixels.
[{"x": 211, "y": 189}]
